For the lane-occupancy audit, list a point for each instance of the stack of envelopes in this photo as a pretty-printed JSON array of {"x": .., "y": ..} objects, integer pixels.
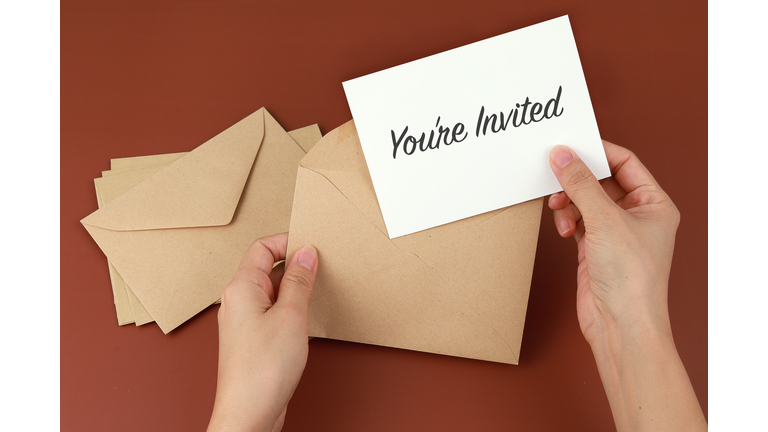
[{"x": 174, "y": 227}]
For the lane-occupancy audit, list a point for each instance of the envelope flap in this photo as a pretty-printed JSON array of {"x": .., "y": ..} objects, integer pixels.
[
  {"x": 339, "y": 158},
  {"x": 202, "y": 188}
]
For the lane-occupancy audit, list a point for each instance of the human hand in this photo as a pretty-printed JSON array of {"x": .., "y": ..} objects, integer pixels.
[
  {"x": 625, "y": 230},
  {"x": 263, "y": 336}
]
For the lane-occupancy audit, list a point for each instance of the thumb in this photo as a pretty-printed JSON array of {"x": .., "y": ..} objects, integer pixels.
[
  {"x": 298, "y": 280},
  {"x": 578, "y": 182}
]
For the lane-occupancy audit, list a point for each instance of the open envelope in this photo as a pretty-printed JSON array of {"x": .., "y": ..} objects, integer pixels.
[
  {"x": 459, "y": 289},
  {"x": 178, "y": 237}
]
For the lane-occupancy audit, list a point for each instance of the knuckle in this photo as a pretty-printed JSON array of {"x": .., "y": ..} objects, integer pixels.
[
  {"x": 674, "y": 215},
  {"x": 573, "y": 212},
  {"x": 252, "y": 277},
  {"x": 580, "y": 178},
  {"x": 631, "y": 156},
  {"x": 298, "y": 279},
  {"x": 228, "y": 295},
  {"x": 243, "y": 283},
  {"x": 220, "y": 313}
]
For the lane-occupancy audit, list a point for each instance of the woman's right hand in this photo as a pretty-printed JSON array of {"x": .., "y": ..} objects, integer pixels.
[{"x": 625, "y": 230}]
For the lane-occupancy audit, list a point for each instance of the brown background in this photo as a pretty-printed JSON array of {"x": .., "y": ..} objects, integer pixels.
[{"x": 148, "y": 77}]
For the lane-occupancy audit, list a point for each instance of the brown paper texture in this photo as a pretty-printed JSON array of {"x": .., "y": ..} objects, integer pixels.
[
  {"x": 129, "y": 172},
  {"x": 178, "y": 237},
  {"x": 305, "y": 137},
  {"x": 459, "y": 289},
  {"x": 122, "y": 304},
  {"x": 110, "y": 188},
  {"x": 145, "y": 161}
]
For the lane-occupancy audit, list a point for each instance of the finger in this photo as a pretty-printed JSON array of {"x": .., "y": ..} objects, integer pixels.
[
  {"x": 613, "y": 189},
  {"x": 627, "y": 169},
  {"x": 567, "y": 215},
  {"x": 264, "y": 252},
  {"x": 254, "y": 272},
  {"x": 248, "y": 287},
  {"x": 566, "y": 220},
  {"x": 558, "y": 201},
  {"x": 578, "y": 182},
  {"x": 298, "y": 280}
]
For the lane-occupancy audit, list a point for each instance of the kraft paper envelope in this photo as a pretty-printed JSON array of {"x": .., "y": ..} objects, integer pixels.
[
  {"x": 177, "y": 238},
  {"x": 107, "y": 189},
  {"x": 459, "y": 289},
  {"x": 125, "y": 174},
  {"x": 306, "y": 137},
  {"x": 125, "y": 313}
]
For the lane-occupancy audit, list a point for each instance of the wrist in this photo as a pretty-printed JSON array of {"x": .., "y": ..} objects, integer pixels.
[
  {"x": 642, "y": 374},
  {"x": 640, "y": 321},
  {"x": 644, "y": 342}
]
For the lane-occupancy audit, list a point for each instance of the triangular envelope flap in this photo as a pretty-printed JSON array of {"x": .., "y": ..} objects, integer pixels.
[
  {"x": 307, "y": 136},
  {"x": 202, "y": 188},
  {"x": 338, "y": 156},
  {"x": 358, "y": 240}
]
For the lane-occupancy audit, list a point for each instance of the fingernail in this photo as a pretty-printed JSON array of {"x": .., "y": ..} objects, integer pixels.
[
  {"x": 563, "y": 225},
  {"x": 561, "y": 156},
  {"x": 307, "y": 257}
]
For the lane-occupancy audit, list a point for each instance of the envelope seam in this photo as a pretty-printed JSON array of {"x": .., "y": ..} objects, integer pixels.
[
  {"x": 474, "y": 227},
  {"x": 511, "y": 351},
  {"x": 473, "y": 310},
  {"x": 356, "y": 207},
  {"x": 428, "y": 266},
  {"x": 454, "y": 240}
]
